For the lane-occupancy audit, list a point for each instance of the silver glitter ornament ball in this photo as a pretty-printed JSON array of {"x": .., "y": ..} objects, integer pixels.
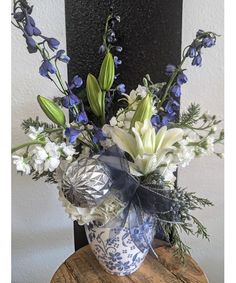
[{"x": 85, "y": 182}]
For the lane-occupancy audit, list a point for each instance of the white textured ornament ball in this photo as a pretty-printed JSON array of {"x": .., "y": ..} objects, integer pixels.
[{"x": 85, "y": 182}]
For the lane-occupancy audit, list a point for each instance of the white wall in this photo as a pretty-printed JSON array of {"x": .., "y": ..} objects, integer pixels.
[
  {"x": 42, "y": 233},
  {"x": 205, "y": 176}
]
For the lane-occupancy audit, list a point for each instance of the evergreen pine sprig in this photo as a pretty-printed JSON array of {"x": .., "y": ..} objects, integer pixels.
[
  {"x": 182, "y": 219},
  {"x": 191, "y": 116},
  {"x": 50, "y": 177},
  {"x": 26, "y": 124},
  {"x": 194, "y": 120},
  {"x": 186, "y": 223},
  {"x": 172, "y": 231}
]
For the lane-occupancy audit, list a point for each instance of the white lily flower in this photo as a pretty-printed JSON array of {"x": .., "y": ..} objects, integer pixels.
[{"x": 146, "y": 148}]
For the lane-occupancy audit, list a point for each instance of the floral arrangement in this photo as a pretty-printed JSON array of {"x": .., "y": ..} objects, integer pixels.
[{"x": 118, "y": 149}]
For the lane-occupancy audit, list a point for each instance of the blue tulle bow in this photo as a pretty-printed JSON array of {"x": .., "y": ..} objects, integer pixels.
[{"x": 142, "y": 199}]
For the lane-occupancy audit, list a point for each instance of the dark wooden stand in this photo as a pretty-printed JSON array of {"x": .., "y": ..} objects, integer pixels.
[{"x": 82, "y": 267}]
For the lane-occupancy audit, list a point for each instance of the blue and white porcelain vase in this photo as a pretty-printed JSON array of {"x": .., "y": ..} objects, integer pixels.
[{"x": 118, "y": 250}]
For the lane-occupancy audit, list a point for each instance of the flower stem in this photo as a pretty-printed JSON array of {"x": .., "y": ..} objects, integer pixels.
[
  {"x": 103, "y": 117},
  {"x": 58, "y": 75},
  {"x": 172, "y": 78},
  {"x": 105, "y": 33},
  {"x": 26, "y": 144},
  {"x": 53, "y": 130}
]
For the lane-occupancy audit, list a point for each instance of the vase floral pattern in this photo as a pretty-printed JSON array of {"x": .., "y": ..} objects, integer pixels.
[{"x": 121, "y": 251}]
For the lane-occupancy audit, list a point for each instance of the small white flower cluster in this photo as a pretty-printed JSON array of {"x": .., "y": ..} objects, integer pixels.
[
  {"x": 190, "y": 147},
  {"x": 45, "y": 157},
  {"x": 34, "y": 133},
  {"x": 123, "y": 117},
  {"x": 194, "y": 146},
  {"x": 22, "y": 164}
]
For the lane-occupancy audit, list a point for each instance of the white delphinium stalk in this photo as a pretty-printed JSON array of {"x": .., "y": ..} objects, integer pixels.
[
  {"x": 46, "y": 158},
  {"x": 34, "y": 133},
  {"x": 184, "y": 153},
  {"x": 39, "y": 155},
  {"x": 113, "y": 121},
  {"x": 22, "y": 164},
  {"x": 68, "y": 150},
  {"x": 85, "y": 152},
  {"x": 167, "y": 170},
  {"x": 135, "y": 96},
  {"x": 210, "y": 144}
]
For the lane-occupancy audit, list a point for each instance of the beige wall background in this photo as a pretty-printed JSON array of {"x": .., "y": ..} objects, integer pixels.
[
  {"x": 42, "y": 233},
  {"x": 205, "y": 175}
]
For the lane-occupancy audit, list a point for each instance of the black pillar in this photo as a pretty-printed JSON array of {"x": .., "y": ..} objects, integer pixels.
[{"x": 149, "y": 32}]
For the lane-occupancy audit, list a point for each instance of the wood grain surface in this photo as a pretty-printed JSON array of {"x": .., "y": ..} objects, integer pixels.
[{"x": 83, "y": 267}]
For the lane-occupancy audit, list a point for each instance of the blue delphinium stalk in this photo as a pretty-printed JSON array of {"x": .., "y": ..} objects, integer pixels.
[
  {"x": 76, "y": 82},
  {"x": 177, "y": 77},
  {"x": 192, "y": 51},
  {"x": 169, "y": 114},
  {"x": 61, "y": 56},
  {"x": 121, "y": 88},
  {"x": 53, "y": 43},
  {"x": 181, "y": 78},
  {"x": 176, "y": 90},
  {"x": 109, "y": 36},
  {"x": 197, "y": 60},
  {"x": 35, "y": 40},
  {"x": 203, "y": 40},
  {"x": 70, "y": 100},
  {"x": 109, "y": 45},
  {"x": 170, "y": 70},
  {"x": 72, "y": 134},
  {"x": 47, "y": 68},
  {"x": 98, "y": 135},
  {"x": 81, "y": 118},
  {"x": 117, "y": 61}
]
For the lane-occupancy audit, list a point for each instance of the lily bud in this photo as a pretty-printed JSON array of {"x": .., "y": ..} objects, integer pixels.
[
  {"x": 94, "y": 94},
  {"x": 53, "y": 112},
  {"x": 143, "y": 111},
  {"x": 107, "y": 72}
]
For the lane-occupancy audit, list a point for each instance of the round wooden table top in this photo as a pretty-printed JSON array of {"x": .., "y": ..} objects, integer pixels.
[{"x": 83, "y": 267}]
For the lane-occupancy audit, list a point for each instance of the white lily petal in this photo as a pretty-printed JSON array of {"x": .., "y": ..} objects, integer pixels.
[
  {"x": 124, "y": 140},
  {"x": 139, "y": 142},
  {"x": 159, "y": 137},
  {"x": 149, "y": 140},
  {"x": 171, "y": 137},
  {"x": 134, "y": 170},
  {"x": 146, "y": 163}
]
